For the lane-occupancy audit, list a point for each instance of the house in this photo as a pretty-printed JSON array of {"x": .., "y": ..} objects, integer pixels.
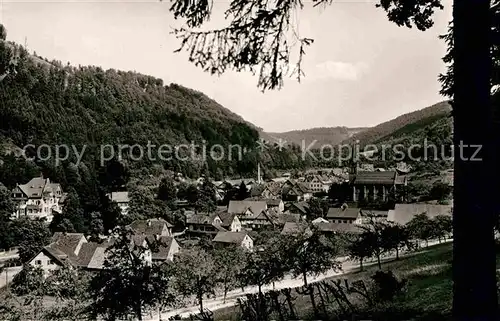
[
  {"x": 301, "y": 208},
  {"x": 155, "y": 226},
  {"x": 367, "y": 215},
  {"x": 319, "y": 220},
  {"x": 290, "y": 228},
  {"x": 246, "y": 208},
  {"x": 404, "y": 213},
  {"x": 296, "y": 191},
  {"x": 166, "y": 248},
  {"x": 230, "y": 221},
  {"x": 342, "y": 214},
  {"x": 282, "y": 219},
  {"x": 375, "y": 185},
  {"x": 63, "y": 250},
  {"x": 271, "y": 203},
  {"x": 122, "y": 199},
  {"x": 204, "y": 224},
  {"x": 258, "y": 222},
  {"x": 272, "y": 190},
  {"x": 275, "y": 203},
  {"x": 71, "y": 250},
  {"x": 338, "y": 228},
  {"x": 234, "y": 238},
  {"x": 293, "y": 228},
  {"x": 319, "y": 183},
  {"x": 39, "y": 198}
]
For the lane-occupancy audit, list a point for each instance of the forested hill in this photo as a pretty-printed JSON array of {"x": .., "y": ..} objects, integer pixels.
[
  {"x": 82, "y": 105},
  {"x": 322, "y": 135},
  {"x": 46, "y": 102},
  {"x": 402, "y": 125}
]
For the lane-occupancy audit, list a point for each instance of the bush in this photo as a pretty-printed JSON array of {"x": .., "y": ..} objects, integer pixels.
[{"x": 386, "y": 286}]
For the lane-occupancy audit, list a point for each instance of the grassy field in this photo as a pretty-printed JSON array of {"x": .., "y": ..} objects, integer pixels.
[{"x": 428, "y": 295}]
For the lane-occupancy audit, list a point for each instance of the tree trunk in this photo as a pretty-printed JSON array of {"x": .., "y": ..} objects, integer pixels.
[
  {"x": 200, "y": 300},
  {"x": 226, "y": 289},
  {"x": 361, "y": 264},
  {"x": 304, "y": 276},
  {"x": 397, "y": 253},
  {"x": 138, "y": 311},
  {"x": 378, "y": 262},
  {"x": 475, "y": 205}
]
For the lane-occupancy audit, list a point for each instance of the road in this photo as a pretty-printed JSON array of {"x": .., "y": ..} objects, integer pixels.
[{"x": 289, "y": 282}]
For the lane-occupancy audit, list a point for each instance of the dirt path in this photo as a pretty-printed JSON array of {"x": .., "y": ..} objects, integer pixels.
[{"x": 287, "y": 282}]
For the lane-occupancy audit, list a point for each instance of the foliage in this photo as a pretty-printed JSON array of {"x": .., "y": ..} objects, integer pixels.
[
  {"x": 309, "y": 252},
  {"x": 206, "y": 200},
  {"x": 440, "y": 191},
  {"x": 31, "y": 235},
  {"x": 360, "y": 249},
  {"x": 195, "y": 273},
  {"x": 318, "y": 208},
  {"x": 230, "y": 262},
  {"x": 265, "y": 265},
  {"x": 128, "y": 283},
  {"x": 167, "y": 191},
  {"x": 387, "y": 286},
  {"x": 7, "y": 206},
  {"x": 421, "y": 227},
  {"x": 394, "y": 237},
  {"x": 258, "y": 36},
  {"x": 144, "y": 204},
  {"x": 242, "y": 192},
  {"x": 30, "y": 280}
]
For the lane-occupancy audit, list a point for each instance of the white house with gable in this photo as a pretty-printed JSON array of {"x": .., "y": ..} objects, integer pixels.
[{"x": 38, "y": 198}]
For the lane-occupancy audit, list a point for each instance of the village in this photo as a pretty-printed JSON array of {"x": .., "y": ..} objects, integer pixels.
[{"x": 335, "y": 203}]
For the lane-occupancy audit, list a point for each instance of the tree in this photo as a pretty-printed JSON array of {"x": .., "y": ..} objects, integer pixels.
[
  {"x": 31, "y": 236},
  {"x": 266, "y": 265},
  {"x": 229, "y": 265},
  {"x": 144, "y": 204},
  {"x": 66, "y": 283},
  {"x": 29, "y": 280},
  {"x": 394, "y": 237},
  {"x": 167, "y": 191},
  {"x": 318, "y": 208},
  {"x": 440, "y": 191},
  {"x": 195, "y": 273},
  {"x": 258, "y": 42},
  {"x": 421, "y": 227},
  {"x": 442, "y": 226},
  {"x": 360, "y": 248},
  {"x": 128, "y": 283},
  {"x": 73, "y": 211},
  {"x": 309, "y": 253},
  {"x": 242, "y": 192},
  {"x": 110, "y": 213},
  {"x": 373, "y": 234},
  {"x": 3, "y": 32},
  {"x": 207, "y": 201},
  {"x": 7, "y": 206},
  {"x": 96, "y": 225}
]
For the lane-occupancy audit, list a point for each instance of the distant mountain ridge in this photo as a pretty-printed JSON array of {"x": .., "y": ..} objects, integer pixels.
[
  {"x": 322, "y": 135},
  {"x": 389, "y": 131},
  {"x": 402, "y": 125}
]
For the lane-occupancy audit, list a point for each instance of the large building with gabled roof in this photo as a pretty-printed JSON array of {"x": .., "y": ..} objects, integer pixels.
[
  {"x": 39, "y": 198},
  {"x": 375, "y": 185}
]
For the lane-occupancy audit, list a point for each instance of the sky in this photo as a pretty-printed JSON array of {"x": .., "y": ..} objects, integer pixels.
[{"x": 361, "y": 69}]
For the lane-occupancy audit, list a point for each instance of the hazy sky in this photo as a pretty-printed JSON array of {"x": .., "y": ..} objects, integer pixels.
[{"x": 360, "y": 71}]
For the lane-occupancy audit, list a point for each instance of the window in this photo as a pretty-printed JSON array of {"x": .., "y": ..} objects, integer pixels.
[
  {"x": 38, "y": 262},
  {"x": 51, "y": 262}
]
